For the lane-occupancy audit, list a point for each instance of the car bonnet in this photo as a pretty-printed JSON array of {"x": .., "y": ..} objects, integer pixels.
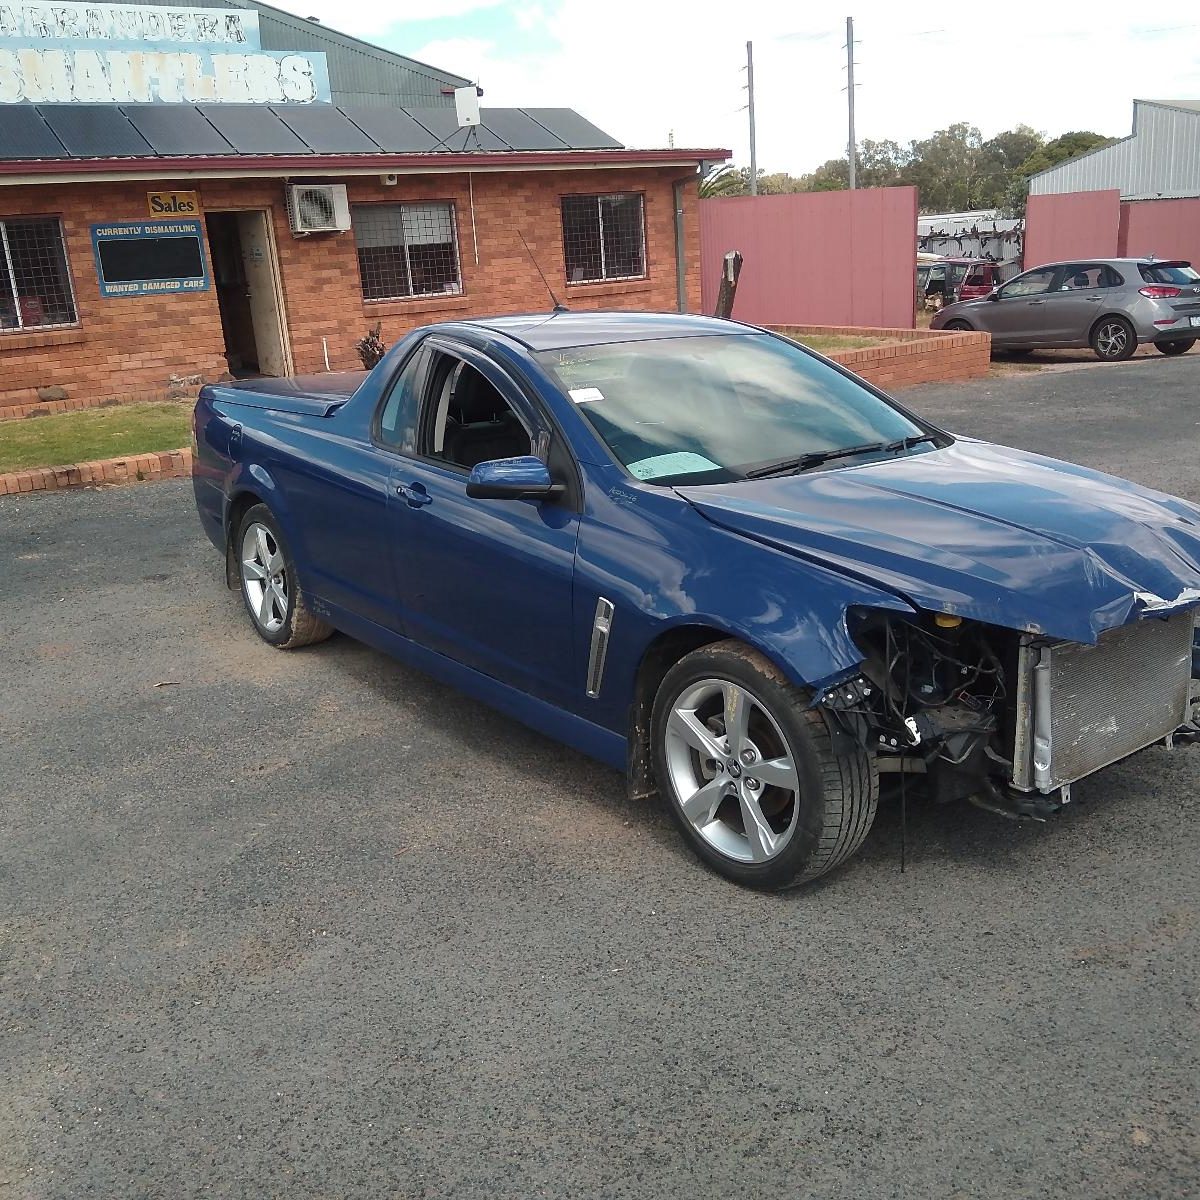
[{"x": 983, "y": 531}]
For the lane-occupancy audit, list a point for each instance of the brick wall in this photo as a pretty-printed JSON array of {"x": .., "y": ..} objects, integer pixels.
[
  {"x": 909, "y": 356},
  {"x": 131, "y": 346}
]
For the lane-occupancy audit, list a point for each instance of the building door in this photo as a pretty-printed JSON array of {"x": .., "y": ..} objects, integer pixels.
[{"x": 249, "y": 296}]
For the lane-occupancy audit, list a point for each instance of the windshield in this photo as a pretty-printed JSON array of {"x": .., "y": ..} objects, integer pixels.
[
  {"x": 1176, "y": 273},
  {"x": 718, "y": 408}
]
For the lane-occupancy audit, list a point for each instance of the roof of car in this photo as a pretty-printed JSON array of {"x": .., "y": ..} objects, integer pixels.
[
  {"x": 1141, "y": 260},
  {"x": 559, "y": 330}
]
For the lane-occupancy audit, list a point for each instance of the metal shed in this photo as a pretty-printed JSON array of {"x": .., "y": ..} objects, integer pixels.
[{"x": 1159, "y": 160}]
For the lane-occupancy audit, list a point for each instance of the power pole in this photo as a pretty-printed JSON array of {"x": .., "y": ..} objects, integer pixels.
[
  {"x": 851, "y": 146},
  {"x": 750, "y": 106}
]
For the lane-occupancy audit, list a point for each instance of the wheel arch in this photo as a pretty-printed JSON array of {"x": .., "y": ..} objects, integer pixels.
[
  {"x": 660, "y": 655},
  {"x": 239, "y": 504},
  {"x": 1108, "y": 316}
]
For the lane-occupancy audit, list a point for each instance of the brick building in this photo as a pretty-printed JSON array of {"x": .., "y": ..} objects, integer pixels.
[{"x": 143, "y": 245}]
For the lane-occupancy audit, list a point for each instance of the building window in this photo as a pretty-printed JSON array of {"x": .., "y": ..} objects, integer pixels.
[
  {"x": 35, "y": 286},
  {"x": 406, "y": 250},
  {"x": 604, "y": 237}
]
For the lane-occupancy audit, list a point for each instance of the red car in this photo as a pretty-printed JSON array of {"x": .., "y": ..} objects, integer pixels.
[{"x": 958, "y": 278}]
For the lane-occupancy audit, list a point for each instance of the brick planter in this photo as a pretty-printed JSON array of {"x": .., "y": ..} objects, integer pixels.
[
  {"x": 909, "y": 357},
  {"x": 133, "y": 468}
]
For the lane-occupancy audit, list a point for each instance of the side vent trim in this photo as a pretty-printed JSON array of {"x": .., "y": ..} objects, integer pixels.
[{"x": 601, "y": 628}]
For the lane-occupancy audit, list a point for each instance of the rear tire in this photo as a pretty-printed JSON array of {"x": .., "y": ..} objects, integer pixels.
[
  {"x": 1180, "y": 347},
  {"x": 750, "y": 773},
  {"x": 1113, "y": 339},
  {"x": 270, "y": 585}
]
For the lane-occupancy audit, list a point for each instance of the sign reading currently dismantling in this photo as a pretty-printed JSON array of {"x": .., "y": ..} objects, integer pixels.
[
  {"x": 56, "y": 53},
  {"x": 150, "y": 258}
]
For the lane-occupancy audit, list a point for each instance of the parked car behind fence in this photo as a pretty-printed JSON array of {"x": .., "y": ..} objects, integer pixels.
[{"x": 1111, "y": 305}]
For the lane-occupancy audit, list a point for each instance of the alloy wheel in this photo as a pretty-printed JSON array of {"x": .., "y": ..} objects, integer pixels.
[
  {"x": 1112, "y": 339},
  {"x": 264, "y": 577},
  {"x": 731, "y": 770}
]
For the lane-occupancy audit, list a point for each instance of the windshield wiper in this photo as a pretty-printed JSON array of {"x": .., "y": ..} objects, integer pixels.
[
  {"x": 906, "y": 443},
  {"x": 805, "y": 462},
  {"x": 816, "y": 458}
]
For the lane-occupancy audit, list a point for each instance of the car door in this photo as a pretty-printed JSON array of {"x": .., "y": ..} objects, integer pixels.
[
  {"x": 341, "y": 501},
  {"x": 487, "y": 583},
  {"x": 1074, "y": 303},
  {"x": 1015, "y": 317}
]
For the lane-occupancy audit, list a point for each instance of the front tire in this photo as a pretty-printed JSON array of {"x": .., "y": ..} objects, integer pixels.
[
  {"x": 750, "y": 773},
  {"x": 1180, "y": 347},
  {"x": 1113, "y": 339},
  {"x": 270, "y": 585},
  {"x": 958, "y": 326}
]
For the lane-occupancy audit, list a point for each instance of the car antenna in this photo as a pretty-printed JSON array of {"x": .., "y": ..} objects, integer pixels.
[{"x": 559, "y": 306}]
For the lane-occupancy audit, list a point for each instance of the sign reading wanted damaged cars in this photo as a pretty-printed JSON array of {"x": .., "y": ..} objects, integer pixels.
[
  {"x": 149, "y": 258},
  {"x": 52, "y": 53}
]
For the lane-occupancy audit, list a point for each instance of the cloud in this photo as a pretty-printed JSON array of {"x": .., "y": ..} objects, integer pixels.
[
  {"x": 368, "y": 19},
  {"x": 645, "y": 71}
]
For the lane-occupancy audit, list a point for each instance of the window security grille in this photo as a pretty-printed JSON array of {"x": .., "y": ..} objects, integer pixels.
[
  {"x": 35, "y": 286},
  {"x": 406, "y": 250},
  {"x": 604, "y": 237}
]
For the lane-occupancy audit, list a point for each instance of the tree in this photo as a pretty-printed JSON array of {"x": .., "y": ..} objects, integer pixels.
[
  {"x": 778, "y": 184},
  {"x": 830, "y": 176},
  {"x": 953, "y": 169},
  {"x": 880, "y": 164},
  {"x": 944, "y": 167},
  {"x": 724, "y": 181},
  {"x": 1066, "y": 145}
]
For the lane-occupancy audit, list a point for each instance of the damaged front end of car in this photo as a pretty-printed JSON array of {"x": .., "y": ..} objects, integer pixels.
[{"x": 1009, "y": 719}]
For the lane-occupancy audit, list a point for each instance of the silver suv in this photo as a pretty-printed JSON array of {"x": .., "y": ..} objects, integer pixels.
[{"x": 1110, "y": 304}]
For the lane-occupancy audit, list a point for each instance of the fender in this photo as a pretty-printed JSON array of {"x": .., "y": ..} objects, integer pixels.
[
  {"x": 254, "y": 479},
  {"x": 664, "y": 567}
]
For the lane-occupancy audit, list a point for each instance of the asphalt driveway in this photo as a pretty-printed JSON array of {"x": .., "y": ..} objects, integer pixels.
[{"x": 309, "y": 925}]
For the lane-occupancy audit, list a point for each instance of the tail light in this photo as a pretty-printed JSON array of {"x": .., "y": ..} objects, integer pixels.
[{"x": 1157, "y": 291}]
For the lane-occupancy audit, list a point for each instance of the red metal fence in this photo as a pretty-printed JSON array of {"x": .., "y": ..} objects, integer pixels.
[
  {"x": 1072, "y": 225},
  {"x": 1101, "y": 225},
  {"x": 824, "y": 258},
  {"x": 1164, "y": 228}
]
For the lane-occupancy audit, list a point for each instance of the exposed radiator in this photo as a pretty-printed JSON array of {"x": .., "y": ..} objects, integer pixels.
[{"x": 1080, "y": 708}]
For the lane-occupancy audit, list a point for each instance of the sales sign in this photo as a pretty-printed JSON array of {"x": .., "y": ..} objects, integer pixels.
[
  {"x": 150, "y": 258},
  {"x": 173, "y": 204}
]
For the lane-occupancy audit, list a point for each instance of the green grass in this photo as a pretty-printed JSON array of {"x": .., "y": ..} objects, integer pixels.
[{"x": 66, "y": 438}]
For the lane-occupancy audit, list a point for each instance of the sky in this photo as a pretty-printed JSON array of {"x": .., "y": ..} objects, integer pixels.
[{"x": 647, "y": 71}]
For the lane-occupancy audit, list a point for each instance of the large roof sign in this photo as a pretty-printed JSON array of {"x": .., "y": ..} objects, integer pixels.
[{"x": 62, "y": 53}]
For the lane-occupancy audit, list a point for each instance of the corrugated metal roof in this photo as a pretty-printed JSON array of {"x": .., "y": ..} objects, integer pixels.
[
  {"x": 1160, "y": 159},
  {"x": 359, "y": 73}
]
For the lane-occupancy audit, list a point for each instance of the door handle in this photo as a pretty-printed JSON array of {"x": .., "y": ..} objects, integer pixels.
[
  {"x": 1037, "y": 302},
  {"x": 1094, "y": 299},
  {"x": 414, "y": 494}
]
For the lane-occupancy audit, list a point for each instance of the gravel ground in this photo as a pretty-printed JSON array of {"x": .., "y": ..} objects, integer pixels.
[{"x": 309, "y": 925}]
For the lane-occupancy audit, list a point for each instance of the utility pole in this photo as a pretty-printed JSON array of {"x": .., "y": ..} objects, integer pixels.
[
  {"x": 851, "y": 146},
  {"x": 750, "y": 106}
]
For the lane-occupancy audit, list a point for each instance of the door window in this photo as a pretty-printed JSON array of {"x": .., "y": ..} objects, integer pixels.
[
  {"x": 1079, "y": 278},
  {"x": 1032, "y": 283},
  {"x": 979, "y": 277},
  {"x": 396, "y": 426},
  {"x": 468, "y": 420}
]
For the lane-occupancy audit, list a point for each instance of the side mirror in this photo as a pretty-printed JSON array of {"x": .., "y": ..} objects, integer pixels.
[
  {"x": 994, "y": 294},
  {"x": 524, "y": 478}
]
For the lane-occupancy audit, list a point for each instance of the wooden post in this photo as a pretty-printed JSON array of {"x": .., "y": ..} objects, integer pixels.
[{"x": 731, "y": 268}]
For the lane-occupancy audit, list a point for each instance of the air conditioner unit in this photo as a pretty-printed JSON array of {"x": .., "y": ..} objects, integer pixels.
[{"x": 317, "y": 208}]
